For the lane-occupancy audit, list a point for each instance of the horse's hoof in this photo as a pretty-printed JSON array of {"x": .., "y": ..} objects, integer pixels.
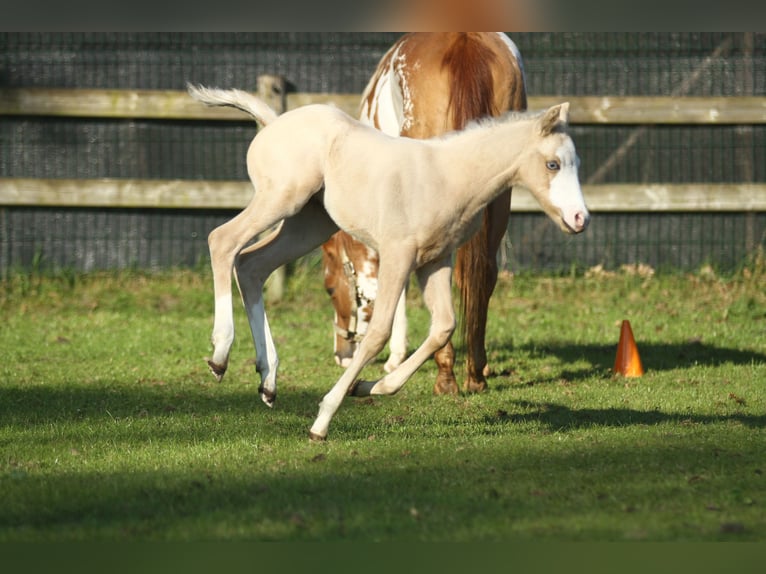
[
  {"x": 216, "y": 369},
  {"x": 475, "y": 386},
  {"x": 268, "y": 397},
  {"x": 353, "y": 388},
  {"x": 313, "y": 437},
  {"x": 361, "y": 388},
  {"x": 446, "y": 385}
]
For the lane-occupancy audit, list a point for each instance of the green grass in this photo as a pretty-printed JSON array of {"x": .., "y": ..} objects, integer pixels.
[{"x": 111, "y": 426}]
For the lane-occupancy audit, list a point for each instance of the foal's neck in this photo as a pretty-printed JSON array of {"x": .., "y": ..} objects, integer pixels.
[{"x": 486, "y": 157}]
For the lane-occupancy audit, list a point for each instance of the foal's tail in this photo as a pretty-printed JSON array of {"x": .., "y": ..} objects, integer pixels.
[{"x": 248, "y": 103}]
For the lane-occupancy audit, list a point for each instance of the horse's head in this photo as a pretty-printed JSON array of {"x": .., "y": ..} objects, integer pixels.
[
  {"x": 350, "y": 279},
  {"x": 549, "y": 170}
]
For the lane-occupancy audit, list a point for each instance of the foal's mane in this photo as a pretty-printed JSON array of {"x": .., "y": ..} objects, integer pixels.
[{"x": 488, "y": 122}]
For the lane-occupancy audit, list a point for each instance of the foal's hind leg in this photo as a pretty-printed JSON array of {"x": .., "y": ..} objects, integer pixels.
[
  {"x": 295, "y": 237},
  {"x": 225, "y": 243}
]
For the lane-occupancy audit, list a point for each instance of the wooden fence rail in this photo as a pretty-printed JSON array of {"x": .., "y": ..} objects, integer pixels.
[
  {"x": 177, "y": 105},
  {"x": 205, "y": 194}
]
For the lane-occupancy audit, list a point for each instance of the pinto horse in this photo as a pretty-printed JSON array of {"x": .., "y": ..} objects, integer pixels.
[
  {"x": 428, "y": 84},
  {"x": 315, "y": 170}
]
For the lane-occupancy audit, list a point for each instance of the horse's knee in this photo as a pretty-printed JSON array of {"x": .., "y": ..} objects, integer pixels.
[
  {"x": 374, "y": 341},
  {"x": 214, "y": 238},
  {"x": 441, "y": 331},
  {"x": 220, "y": 245}
]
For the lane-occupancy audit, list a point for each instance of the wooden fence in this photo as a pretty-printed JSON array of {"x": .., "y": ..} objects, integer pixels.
[{"x": 177, "y": 105}]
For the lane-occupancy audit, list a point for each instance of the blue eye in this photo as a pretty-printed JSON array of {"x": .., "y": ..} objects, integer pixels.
[{"x": 553, "y": 165}]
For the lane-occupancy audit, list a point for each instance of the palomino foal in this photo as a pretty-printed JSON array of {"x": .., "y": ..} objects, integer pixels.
[{"x": 315, "y": 169}]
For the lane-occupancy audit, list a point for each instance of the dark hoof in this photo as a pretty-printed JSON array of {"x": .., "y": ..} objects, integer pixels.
[
  {"x": 475, "y": 386},
  {"x": 267, "y": 397},
  {"x": 216, "y": 369},
  {"x": 352, "y": 389},
  {"x": 313, "y": 437}
]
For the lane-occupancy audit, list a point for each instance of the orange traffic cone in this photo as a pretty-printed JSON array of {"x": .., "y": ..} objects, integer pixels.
[{"x": 627, "y": 362}]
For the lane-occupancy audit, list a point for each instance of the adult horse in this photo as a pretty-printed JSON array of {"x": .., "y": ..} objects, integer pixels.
[
  {"x": 315, "y": 170},
  {"x": 428, "y": 84}
]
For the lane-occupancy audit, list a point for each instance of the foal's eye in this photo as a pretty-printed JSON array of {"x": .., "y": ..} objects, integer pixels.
[{"x": 553, "y": 165}]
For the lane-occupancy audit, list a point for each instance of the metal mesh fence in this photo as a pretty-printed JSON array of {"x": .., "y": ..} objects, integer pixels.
[{"x": 615, "y": 64}]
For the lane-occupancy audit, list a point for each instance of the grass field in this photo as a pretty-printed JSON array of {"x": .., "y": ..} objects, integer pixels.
[{"x": 111, "y": 426}]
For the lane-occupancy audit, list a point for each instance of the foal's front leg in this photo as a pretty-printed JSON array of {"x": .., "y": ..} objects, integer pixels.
[
  {"x": 435, "y": 280},
  {"x": 392, "y": 276}
]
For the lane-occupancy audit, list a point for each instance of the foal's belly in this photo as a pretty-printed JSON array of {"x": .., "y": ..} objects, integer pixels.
[{"x": 445, "y": 238}]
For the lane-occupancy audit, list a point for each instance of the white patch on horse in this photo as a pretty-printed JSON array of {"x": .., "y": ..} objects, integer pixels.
[
  {"x": 390, "y": 108},
  {"x": 367, "y": 281},
  {"x": 223, "y": 330},
  {"x": 565, "y": 191},
  {"x": 400, "y": 67},
  {"x": 384, "y": 107}
]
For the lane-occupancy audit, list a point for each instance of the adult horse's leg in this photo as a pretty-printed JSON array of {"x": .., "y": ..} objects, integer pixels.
[
  {"x": 445, "y": 375},
  {"x": 435, "y": 280},
  {"x": 476, "y": 296},
  {"x": 346, "y": 287},
  {"x": 394, "y": 272},
  {"x": 296, "y": 236},
  {"x": 337, "y": 283}
]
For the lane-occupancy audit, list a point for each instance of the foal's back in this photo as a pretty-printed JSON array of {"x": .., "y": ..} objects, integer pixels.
[{"x": 294, "y": 150}]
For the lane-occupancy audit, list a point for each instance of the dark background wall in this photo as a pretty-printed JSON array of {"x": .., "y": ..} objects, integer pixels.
[{"x": 646, "y": 64}]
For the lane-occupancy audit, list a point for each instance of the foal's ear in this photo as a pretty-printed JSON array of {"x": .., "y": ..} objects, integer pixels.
[{"x": 553, "y": 118}]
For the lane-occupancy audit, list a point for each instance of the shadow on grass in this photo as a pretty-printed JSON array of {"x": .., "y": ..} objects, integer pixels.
[
  {"x": 370, "y": 491},
  {"x": 357, "y": 488},
  {"x": 45, "y": 404},
  {"x": 654, "y": 356},
  {"x": 559, "y": 417},
  {"x": 28, "y": 407}
]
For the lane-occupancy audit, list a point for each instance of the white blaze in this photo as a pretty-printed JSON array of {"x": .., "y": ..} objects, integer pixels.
[{"x": 565, "y": 191}]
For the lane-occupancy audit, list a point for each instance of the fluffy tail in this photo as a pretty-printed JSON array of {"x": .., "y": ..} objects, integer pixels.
[{"x": 235, "y": 99}]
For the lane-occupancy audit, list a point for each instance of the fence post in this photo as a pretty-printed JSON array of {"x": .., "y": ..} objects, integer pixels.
[
  {"x": 273, "y": 90},
  {"x": 746, "y": 158}
]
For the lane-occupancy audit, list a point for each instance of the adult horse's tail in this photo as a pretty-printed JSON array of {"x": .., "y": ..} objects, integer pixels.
[{"x": 473, "y": 94}]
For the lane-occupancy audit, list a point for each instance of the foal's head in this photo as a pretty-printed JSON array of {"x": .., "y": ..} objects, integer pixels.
[{"x": 549, "y": 171}]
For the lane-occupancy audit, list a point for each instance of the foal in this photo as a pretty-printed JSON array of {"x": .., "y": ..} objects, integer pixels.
[{"x": 316, "y": 170}]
